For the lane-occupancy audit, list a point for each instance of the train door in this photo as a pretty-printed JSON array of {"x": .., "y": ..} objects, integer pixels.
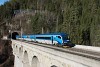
[{"x": 52, "y": 39}]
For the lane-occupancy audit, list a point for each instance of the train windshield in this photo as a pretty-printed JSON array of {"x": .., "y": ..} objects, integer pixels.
[{"x": 59, "y": 37}]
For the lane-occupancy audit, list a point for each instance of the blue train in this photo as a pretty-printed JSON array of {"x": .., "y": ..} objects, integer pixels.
[{"x": 60, "y": 39}]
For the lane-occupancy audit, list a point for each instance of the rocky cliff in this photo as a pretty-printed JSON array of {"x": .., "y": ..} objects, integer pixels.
[{"x": 6, "y": 55}]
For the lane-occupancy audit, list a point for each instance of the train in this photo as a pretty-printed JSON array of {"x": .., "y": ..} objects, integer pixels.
[{"x": 59, "y": 39}]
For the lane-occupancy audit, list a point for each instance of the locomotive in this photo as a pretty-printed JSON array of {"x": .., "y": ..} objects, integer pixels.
[{"x": 60, "y": 39}]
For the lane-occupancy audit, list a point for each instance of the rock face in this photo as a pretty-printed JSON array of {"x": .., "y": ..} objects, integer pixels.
[{"x": 6, "y": 55}]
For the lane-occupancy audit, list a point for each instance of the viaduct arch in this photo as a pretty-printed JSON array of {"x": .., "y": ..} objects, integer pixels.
[
  {"x": 26, "y": 60},
  {"x": 35, "y": 62}
]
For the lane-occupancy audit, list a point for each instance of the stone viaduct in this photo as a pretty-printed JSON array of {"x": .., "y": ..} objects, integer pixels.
[{"x": 31, "y": 55}]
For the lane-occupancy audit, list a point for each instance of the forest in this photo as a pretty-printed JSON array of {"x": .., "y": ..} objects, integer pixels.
[{"x": 78, "y": 18}]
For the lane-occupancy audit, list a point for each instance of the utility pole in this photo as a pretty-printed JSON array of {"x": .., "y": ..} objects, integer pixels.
[
  {"x": 57, "y": 23},
  {"x": 21, "y": 30},
  {"x": 11, "y": 30}
]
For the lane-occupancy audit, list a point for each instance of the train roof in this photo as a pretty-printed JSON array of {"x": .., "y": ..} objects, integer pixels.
[
  {"x": 47, "y": 34},
  {"x": 53, "y": 34}
]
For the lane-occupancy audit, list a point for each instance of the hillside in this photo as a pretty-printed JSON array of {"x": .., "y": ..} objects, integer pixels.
[
  {"x": 78, "y": 18},
  {"x": 6, "y": 55}
]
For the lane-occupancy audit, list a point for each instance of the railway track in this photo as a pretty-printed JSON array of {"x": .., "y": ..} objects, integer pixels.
[{"x": 80, "y": 52}]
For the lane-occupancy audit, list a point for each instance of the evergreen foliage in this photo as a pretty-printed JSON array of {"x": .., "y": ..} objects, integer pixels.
[{"x": 79, "y": 18}]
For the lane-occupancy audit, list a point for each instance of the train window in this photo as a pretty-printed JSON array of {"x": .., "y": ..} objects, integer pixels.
[
  {"x": 59, "y": 37},
  {"x": 43, "y": 37},
  {"x": 39, "y": 37},
  {"x": 47, "y": 37}
]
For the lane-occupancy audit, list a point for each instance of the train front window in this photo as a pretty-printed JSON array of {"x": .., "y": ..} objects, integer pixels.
[{"x": 59, "y": 37}]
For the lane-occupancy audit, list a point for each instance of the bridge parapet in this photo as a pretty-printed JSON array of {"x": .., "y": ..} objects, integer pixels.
[{"x": 31, "y": 55}]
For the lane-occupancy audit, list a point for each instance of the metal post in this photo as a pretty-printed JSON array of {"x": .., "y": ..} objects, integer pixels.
[
  {"x": 11, "y": 31},
  {"x": 21, "y": 28}
]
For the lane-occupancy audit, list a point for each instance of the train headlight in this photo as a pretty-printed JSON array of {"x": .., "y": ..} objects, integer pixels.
[{"x": 68, "y": 40}]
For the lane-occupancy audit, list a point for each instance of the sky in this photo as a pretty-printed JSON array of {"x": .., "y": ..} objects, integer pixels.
[{"x": 2, "y": 1}]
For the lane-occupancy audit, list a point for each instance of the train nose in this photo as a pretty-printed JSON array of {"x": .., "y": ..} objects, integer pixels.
[{"x": 66, "y": 41}]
